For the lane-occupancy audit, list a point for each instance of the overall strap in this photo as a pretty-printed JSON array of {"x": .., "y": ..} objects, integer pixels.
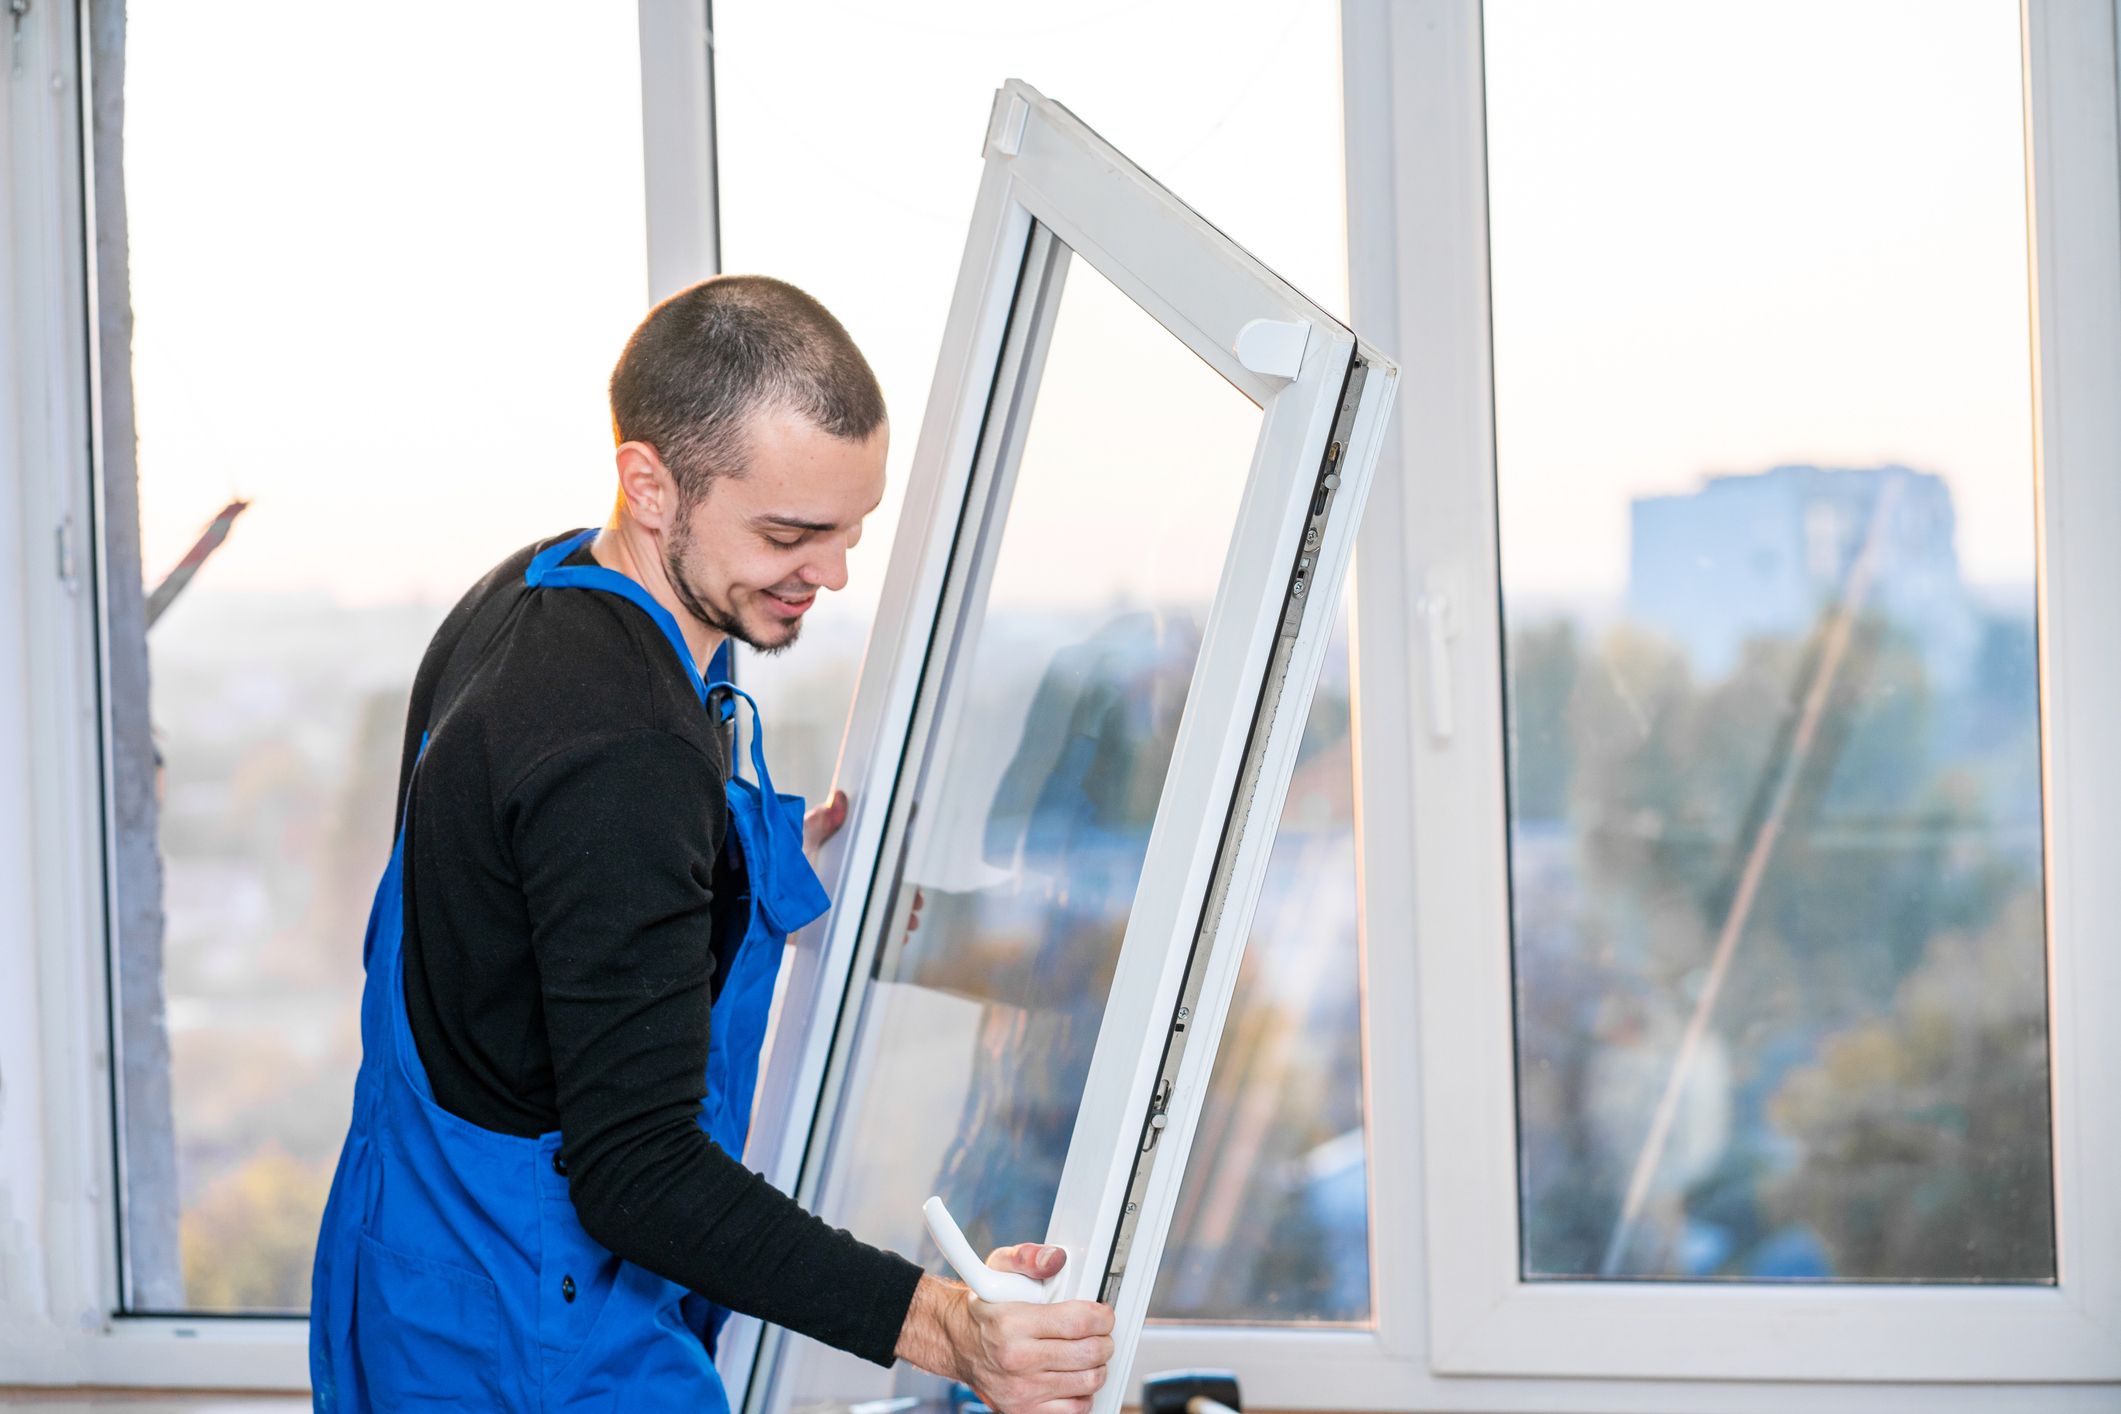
[
  {"x": 771, "y": 828},
  {"x": 547, "y": 571},
  {"x": 725, "y": 694}
]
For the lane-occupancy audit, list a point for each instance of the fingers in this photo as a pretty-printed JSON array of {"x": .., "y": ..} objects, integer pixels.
[
  {"x": 1072, "y": 1320},
  {"x": 1057, "y": 1406},
  {"x": 1068, "y": 1321},
  {"x": 824, "y": 822},
  {"x": 1029, "y": 1258},
  {"x": 1045, "y": 1392},
  {"x": 1067, "y": 1393},
  {"x": 1075, "y": 1357},
  {"x": 1072, "y": 1335},
  {"x": 1025, "y": 1354}
]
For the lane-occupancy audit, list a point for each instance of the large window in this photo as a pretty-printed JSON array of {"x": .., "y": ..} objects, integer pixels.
[
  {"x": 378, "y": 286},
  {"x": 1749, "y": 800},
  {"x": 1766, "y": 494}
]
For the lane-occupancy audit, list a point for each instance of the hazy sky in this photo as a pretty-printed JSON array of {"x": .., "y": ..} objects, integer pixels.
[
  {"x": 379, "y": 283},
  {"x": 378, "y": 280},
  {"x": 1729, "y": 236}
]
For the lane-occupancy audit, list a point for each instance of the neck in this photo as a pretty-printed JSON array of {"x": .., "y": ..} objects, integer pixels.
[{"x": 627, "y": 546}]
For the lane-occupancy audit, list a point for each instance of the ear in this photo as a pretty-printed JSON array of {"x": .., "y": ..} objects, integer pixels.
[{"x": 647, "y": 487}]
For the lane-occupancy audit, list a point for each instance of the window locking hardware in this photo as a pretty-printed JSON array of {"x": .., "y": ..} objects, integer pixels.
[{"x": 1159, "y": 1115}]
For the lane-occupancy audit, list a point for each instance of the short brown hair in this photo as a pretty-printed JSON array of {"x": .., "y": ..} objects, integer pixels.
[{"x": 708, "y": 359}]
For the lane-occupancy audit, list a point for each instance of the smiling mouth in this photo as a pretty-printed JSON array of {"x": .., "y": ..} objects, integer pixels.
[{"x": 793, "y": 606}]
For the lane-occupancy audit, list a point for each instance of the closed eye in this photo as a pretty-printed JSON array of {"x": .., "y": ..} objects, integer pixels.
[{"x": 787, "y": 532}]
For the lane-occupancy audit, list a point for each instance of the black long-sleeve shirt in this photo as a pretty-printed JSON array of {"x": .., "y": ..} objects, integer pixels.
[{"x": 561, "y": 882}]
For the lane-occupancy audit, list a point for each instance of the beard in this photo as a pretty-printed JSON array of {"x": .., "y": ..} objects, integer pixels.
[{"x": 697, "y": 603}]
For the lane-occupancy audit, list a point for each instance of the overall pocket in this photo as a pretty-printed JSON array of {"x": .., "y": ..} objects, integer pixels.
[{"x": 426, "y": 1334}]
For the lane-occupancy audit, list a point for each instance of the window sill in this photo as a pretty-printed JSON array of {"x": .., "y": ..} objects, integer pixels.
[{"x": 218, "y": 1353}]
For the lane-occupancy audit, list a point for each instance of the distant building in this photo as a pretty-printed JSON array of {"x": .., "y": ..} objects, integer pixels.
[{"x": 1762, "y": 554}]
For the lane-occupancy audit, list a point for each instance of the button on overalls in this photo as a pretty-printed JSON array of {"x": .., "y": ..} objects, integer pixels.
[{"x": 451, "y": 1270}]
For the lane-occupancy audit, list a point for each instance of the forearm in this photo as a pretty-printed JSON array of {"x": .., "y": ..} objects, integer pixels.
[{"x": 677, "y": 1205}]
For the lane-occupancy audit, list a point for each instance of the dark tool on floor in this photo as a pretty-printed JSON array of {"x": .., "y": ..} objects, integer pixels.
[{"x": 1191, "y": 1392}]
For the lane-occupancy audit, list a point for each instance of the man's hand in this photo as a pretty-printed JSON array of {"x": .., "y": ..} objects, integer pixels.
[
  {"x": 824, "y": 822},
  {"x": 1023, "y": 1359}
]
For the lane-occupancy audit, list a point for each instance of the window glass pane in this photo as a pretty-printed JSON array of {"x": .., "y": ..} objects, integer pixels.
[
  {"x": 1762, "y": 360},
  {"x": 1033, "y": 813},
  {"x": 1273, "y": 1220},
  {"x": 379, "y": 285}
]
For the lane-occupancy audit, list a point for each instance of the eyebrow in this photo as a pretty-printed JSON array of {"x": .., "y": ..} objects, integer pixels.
[{"x": 796, "y": 523}]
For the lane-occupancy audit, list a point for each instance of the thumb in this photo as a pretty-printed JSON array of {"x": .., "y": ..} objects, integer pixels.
[{"x": 1029, "y": 1258}]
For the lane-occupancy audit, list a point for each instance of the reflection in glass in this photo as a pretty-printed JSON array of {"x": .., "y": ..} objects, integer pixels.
[
  {"x": 1766, "y": 486},
  {"x": 1273, "y": 1220},
  {"x": 1026, "y": 845}
]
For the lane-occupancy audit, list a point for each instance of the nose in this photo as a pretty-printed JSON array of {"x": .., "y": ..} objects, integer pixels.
[{"x": 829, "y": 571}]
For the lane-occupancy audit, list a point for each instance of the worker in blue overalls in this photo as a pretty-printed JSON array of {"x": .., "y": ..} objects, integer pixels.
[{"x": 540, "y": 1204}]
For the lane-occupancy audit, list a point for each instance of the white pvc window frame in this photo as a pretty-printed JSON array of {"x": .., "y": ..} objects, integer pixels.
[
  {"x": 1055, "y": 192},
  {"x": 62, "y": 1290},
  {"x": 1455, "y": 1326},
  {"x": 1483, "y": 1318}
]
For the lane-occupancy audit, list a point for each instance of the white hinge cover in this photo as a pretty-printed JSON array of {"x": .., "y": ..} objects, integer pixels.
[
  {"x": 1005, "y": 128},
  {"x": 1273, "y": 348}
]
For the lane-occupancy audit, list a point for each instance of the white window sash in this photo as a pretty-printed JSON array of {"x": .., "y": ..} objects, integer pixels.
[{"x": 1047, "y": 172}]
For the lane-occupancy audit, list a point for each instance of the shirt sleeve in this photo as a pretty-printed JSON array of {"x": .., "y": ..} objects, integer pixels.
[{"x": 614, "y": 842}]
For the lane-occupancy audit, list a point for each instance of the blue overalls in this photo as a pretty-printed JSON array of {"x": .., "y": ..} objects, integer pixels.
[{"x": 451, "y": 1269}]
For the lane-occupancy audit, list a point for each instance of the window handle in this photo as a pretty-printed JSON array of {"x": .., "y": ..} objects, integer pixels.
[
  {"x": 1435, "y": 609},
  {"x": 986, "y": 1283}
]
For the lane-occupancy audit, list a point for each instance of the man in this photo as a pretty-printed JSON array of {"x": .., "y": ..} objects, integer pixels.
[{"x": 539, "y": 1203}]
